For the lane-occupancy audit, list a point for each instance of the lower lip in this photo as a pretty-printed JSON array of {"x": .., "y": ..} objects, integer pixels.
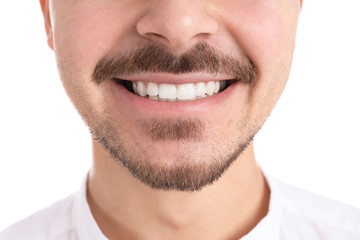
[{"x": 124, "y": 96}]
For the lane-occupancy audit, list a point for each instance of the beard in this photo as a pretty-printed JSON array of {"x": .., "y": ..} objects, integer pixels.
[{"x": 189, "y": 170}]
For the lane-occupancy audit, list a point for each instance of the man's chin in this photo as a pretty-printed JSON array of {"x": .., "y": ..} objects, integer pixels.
[
  {"x": 177, "y": 171},
  {"x": 184, "y": 154}
]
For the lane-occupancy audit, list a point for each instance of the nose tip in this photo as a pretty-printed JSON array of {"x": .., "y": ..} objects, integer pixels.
[{"x": 176, "y": 24}]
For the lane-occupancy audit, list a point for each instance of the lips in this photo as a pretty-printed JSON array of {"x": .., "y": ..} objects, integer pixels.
[
  {"x": 175, "y": 92},
  {"x": 122, "y": 95}
]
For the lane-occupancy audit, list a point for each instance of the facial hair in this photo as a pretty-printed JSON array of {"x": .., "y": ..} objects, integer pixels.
[{"x": 187, "y": 175}]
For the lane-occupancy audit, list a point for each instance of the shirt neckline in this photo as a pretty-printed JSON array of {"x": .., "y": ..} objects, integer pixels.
[{"x": 87, "y": 228}]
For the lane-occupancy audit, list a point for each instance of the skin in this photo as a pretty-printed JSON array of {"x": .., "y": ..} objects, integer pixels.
[{"x": 81, "y": 32}]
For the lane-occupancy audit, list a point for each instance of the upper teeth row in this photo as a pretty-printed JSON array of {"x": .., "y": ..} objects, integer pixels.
[{"x": 172, "y": 92}]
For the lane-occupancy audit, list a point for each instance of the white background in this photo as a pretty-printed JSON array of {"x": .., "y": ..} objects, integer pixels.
[{"x": 311, "y": 140}]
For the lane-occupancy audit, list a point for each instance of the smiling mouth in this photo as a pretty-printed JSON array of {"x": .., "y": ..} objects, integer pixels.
[{"x": 175, "y": 92}]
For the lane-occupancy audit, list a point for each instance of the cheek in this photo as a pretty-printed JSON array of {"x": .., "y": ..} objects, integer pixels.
[
  {"x": 77, "y": 47},
  {"x": 85, "y": 31},
  {"x": 83, "y": 34},
  {"x": 80, "y": 38},
  {"x": 265, "y": 30}
]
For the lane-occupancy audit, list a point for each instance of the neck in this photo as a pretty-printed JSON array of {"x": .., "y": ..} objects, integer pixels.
[{"x": 125, "y": 208}]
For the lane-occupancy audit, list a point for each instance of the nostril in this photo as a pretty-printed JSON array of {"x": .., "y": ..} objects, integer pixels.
[
  {"x": 153, "y": 35},
  {"x": 176, "y": 25}
]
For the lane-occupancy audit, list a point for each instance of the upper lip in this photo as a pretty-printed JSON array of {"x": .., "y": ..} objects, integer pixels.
[{"x": 174, "y": 78}]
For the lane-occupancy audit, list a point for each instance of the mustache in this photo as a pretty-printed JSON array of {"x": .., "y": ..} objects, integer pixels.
[{"x": 155, "y": 59}]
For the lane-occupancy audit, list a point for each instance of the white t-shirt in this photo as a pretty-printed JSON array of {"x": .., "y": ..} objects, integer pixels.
[{"x": 294, "y": 214}]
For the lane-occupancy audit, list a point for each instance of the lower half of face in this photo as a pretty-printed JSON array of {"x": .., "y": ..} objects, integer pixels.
[
  {"x": 182, "y": 145},
  {"x": 173, "y": 128}
]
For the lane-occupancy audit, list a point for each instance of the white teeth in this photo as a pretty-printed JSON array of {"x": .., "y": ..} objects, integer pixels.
[
  {"x": 172, "y": 92},
  {"x": 154, "y": 97},
  {"x": 210, "y": 88},
  {"x": 135, "y": 89},
  {"x": 152, "y": 89},
  {"x": 141, "y": 88},
  {"x": 185, "y": 91},
  {"x": 200, "y": 89},
  {"x": 217, "y": 87},
  {"x": 167, "y": 91}
]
